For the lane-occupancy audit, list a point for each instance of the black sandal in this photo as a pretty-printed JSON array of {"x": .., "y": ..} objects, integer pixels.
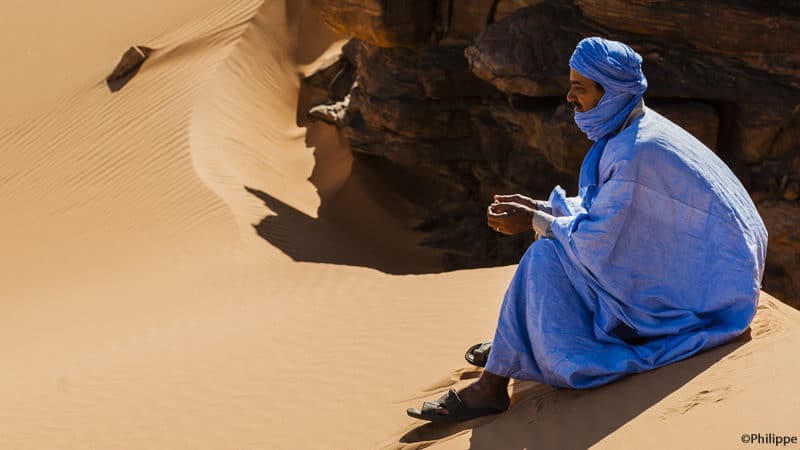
[
  {"x": 456, "y": 411},
  {"x": 478, "y": 354}
]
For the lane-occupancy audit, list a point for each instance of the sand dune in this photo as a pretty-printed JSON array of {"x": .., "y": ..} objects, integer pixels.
[{"x": 185, "y": 267}]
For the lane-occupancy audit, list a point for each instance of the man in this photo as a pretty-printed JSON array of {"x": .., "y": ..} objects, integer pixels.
[{"x": 659, "y": 257}]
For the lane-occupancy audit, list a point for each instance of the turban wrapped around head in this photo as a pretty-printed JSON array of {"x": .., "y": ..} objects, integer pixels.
[
  {"x": 619, "y": 70},
  {"x": 612, "y": 64}
]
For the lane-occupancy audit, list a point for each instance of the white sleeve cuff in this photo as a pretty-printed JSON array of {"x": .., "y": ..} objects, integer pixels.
[{"x": 542, "y": 223}]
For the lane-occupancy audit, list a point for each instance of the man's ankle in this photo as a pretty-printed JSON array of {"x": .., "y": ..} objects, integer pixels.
[{"x": 493, "y": 382}]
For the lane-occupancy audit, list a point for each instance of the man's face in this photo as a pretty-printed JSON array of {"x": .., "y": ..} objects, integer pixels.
[{"x": 584, "y": 94}]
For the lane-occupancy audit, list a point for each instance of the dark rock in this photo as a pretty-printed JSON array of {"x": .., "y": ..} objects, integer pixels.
[
  {"x": 510, "y": 55},
  {"x": 506, "y": 8},
  {"x": 437, "y": 72},
  {"x": 412, "y": 119},
  {"x": 511, "y": 163},
  {"x": 767, "y": 177},
  {"x": 790, "y": 191},
  {"x": 699, "y": 119},
  {"x": 333, "y": 113},
  {"x": 387, "y": 73},
  {"x": 128, "y": 67},
  {"x": 744, "y": 30},
  {"x": 444, "y": 74},
  {"x": 760, "y": 121},
  {"x": 546, "y": 129},
  {"x": 385, "y": 23},
  {"x": 783, "y": 256},
  {"x": 468, "y": 19},
  {"x": 787, "y": 142}
]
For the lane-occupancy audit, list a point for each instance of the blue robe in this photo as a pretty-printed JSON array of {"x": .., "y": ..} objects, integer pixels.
[{"x": 660, "y": 257}]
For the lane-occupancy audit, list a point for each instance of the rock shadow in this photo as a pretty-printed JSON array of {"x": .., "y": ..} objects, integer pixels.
[{"x": 307, "y": 239}]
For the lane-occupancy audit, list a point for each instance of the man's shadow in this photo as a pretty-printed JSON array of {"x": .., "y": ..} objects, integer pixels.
[{"x": 545, "y": 417}]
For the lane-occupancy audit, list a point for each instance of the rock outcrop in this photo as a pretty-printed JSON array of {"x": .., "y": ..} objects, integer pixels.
[{"x": 465, "y": 100}]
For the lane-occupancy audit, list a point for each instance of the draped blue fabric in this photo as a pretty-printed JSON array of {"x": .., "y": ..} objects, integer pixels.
[
  {"x": 659, "y": 257},
  {"x": 666, "y": 262}
]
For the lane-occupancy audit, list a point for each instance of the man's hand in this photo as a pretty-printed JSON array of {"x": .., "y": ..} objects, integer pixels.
[
  {"x": 516, "y": 198},
  {"x": 509, "y": 218}
]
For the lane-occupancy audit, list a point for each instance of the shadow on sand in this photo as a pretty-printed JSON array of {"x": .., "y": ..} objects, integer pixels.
[
  {"x": 307, "y": 239},
  {"x": 549, "y": 418}
]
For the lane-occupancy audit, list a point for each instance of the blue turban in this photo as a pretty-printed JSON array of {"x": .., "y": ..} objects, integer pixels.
[{"x": 619, "y": 70}]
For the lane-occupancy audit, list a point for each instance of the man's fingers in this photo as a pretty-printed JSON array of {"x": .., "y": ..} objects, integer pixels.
[
  {"x": 505, "y": 208},
  {"x": 516, "y": 198},
  {"x": 504, "y": 217},
  {"x": 507, "y": 198},
  {"x": 493, "y": 211}
]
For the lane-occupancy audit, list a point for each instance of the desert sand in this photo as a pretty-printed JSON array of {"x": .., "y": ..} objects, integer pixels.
[{"x": 184, "y": 267}]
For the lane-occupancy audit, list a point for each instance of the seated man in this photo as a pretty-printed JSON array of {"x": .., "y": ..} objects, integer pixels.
[{"x": 659, "y": 257}]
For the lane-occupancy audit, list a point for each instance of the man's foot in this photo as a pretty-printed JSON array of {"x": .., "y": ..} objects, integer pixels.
[
  {"x": 478, "y": 354},
  {"x": 482, "y": 394},
  {"x": 488, "y": 395}
]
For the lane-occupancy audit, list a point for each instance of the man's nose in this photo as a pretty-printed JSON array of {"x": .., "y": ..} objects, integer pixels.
[{"x": 570, "y": 96}]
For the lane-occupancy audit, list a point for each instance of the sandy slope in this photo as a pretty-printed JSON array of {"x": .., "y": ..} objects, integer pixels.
[{"x": 183, "y": 267}]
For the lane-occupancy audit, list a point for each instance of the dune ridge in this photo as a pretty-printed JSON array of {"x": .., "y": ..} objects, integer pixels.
[{"x": 185, "y": 267}]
